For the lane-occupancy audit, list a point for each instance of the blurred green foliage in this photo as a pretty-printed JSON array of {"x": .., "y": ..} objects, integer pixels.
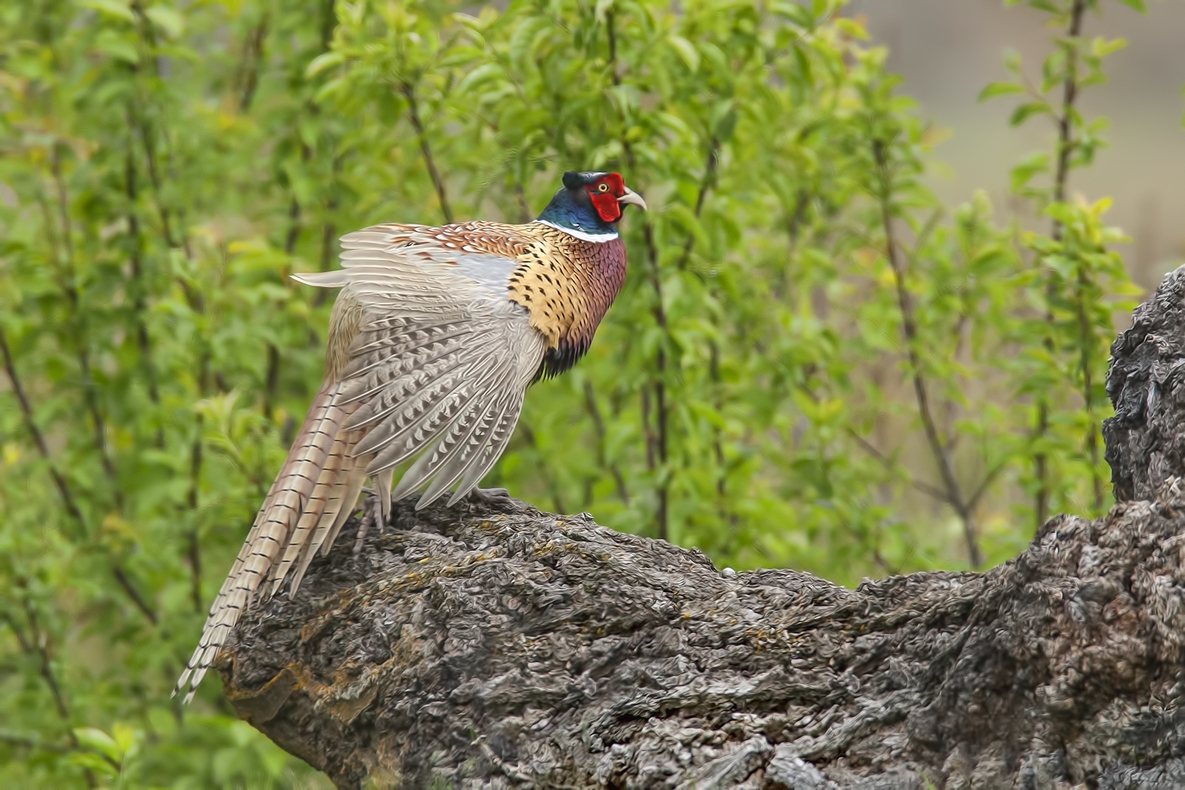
[{"x": 813, "y": 363}]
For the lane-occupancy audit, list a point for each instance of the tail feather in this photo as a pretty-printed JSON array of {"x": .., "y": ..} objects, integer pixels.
[
  {"x": 325, "y": 543},
  {"x": 299, "y": 499},
  {"x": 338, "y": 505},
  {"x": 312, "y": 514}
]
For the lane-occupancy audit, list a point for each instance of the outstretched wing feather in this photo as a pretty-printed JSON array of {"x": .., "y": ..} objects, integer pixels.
[
  {"x": 427, "y": 385},
  {"x": 454, "y": 440},
  {"x": 466, "y": 453}
]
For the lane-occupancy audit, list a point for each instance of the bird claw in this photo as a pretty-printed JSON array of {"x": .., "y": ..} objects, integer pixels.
[
  {"x": 372, "y": 513},
  {"x": 491, "y": 498}
]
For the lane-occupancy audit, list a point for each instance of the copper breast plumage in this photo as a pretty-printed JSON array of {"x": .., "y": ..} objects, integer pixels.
[{"x": 566, "y": 285}]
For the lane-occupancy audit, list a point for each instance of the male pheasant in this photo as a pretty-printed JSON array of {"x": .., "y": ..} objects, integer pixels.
[{"x": 434, "y": 338}]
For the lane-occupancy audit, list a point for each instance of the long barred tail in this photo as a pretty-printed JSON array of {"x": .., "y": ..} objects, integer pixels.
[{"x": 309, "y": 501}]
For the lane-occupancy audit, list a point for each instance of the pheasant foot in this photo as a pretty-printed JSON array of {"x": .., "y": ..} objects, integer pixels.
[
  {"x": 372, "y": 514},
  {"x": 493, "y": 498}
]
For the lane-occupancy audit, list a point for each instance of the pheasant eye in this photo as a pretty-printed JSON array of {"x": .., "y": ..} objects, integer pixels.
[{"x": 602, "y": 187}]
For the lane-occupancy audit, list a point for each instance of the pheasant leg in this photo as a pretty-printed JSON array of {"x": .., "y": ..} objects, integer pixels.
[{"x": 372, "y": 514}]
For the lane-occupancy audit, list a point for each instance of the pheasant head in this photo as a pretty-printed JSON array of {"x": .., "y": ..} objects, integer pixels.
[{"x": 589, "y": 204}]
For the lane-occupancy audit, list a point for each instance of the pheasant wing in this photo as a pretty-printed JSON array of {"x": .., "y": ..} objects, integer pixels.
[{"x": 442, "y": 359}]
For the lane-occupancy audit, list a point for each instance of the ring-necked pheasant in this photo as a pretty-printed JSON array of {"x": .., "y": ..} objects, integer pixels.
[{"x": 434, "y": 338}]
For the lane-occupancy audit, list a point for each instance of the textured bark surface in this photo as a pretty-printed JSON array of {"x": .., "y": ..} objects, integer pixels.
[
  {"x": 499, "y": 648},
  {"x": 1146, "y": 437}
]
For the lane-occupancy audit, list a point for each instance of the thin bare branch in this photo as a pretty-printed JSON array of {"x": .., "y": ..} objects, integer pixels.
[
  {"x": 252, "y": 62},
  {"x": 793, "y": 230},
  {"x": 40, "y": 642},
  {"x": 78, "y": 330},
  {"x": 726, "y": 513},
  {"x": 196, "y": 458},
  {"x": 271, "y": 377},
  {"x": 329, "y": 229},
  {"x": 1086, "y": 347},
  {"x": 413, "y": 113},
  {"x": 124, "y": 581},
  {"x": 549, "y": 480},
  {"x": 26, "y": 409},
  {"x": 59, "y": 479},
  {"x": 22, "y": 641},
  {"x": 139, "y": 286},
  {"x": 656, "y": 440},
  {"x": 1065, "y": 147},
  {"x": 594, "y": 411},
  {"x": 886, "y": 461},
  {"x": 986, "y": 483},
  {"x": 917, "y": 376},
  {"x": 706, "y": 182},
  {"x": 524, "y": 210}
]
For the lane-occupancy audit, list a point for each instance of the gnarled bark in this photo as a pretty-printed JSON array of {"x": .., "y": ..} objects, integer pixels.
[
  {"x": 1145, "y": 439},
  {"x": 497, "y": 648}
]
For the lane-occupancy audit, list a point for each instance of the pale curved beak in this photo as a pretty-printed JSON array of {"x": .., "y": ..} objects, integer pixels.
[{"x": 633, "y": 198}]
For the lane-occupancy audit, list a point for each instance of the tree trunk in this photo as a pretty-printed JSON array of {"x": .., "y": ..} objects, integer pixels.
[{"x": 509, "y": 647}]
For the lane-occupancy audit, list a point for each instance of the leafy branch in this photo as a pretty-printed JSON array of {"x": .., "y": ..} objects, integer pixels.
[
  {"x": 952, "y": 492},
  {"x": 1069, "y": 269}
]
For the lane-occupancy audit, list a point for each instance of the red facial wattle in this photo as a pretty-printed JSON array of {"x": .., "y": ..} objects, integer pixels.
[{"x": 604, "y": 194}]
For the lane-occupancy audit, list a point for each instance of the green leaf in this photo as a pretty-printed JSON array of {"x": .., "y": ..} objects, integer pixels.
[
  {"x": 523, "y": 38},
  {"x": 999, "y": 89},
  {"x": 726, "y": 126},
  {"x": 852, "y": 28},
  {"x": 118, "y": 9},
  {"x": 118, "y": 46},
  {"x": 686, "y": 50},
  {"x": 1012, "y": 60},
  {"x": 98, "y": 741},
  {"x": 1023, "y": 171},
  {"x": 487, "y": 72},
  {"x": 1101, "y": 47},
  {"x": 167, "y": 19},
  {"x": 1028, "y": 110},
  {"x": 724, "y": 119},
  {"x": 325, "y": 60}
]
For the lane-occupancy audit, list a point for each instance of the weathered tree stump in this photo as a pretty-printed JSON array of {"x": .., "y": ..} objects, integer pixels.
[{"x": 490, "y": 648}]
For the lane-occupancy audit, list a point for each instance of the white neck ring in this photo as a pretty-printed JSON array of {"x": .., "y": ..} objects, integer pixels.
[{"x": 580, "y": 234}]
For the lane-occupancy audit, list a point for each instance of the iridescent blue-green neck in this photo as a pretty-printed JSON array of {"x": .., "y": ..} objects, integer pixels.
[{"x": 570, "y": 210}]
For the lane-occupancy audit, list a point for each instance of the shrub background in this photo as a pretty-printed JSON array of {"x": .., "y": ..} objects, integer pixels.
[{"x": 814, "y": 362}]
